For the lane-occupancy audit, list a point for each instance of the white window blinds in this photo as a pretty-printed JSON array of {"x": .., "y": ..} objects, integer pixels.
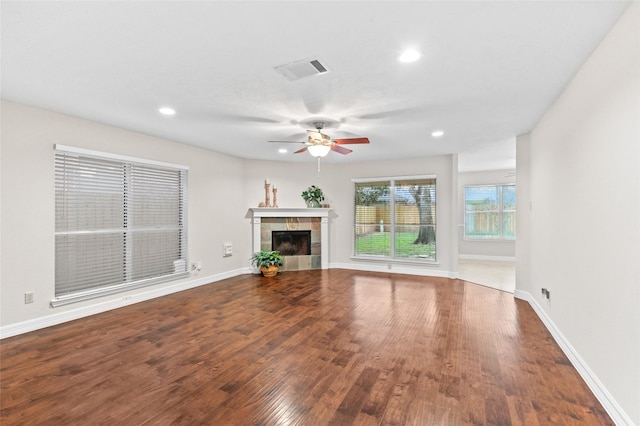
[{"x": 120, "y": 223}]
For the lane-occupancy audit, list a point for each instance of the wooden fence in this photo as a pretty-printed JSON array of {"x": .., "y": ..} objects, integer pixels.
[
  {"x": 378, "y": 218},
  {"x": 487, "y": 223}
]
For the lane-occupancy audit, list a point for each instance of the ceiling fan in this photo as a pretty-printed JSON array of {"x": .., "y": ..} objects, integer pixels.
[{"x": 319, "y": 144}]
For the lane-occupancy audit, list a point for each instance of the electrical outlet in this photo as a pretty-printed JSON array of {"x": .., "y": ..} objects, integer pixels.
[
  {"x": 546, "y": 294},
  {"x": 196, "y": 266},
  {"x": 28, "y": 297},
  {"x": 227, "y": 249}
]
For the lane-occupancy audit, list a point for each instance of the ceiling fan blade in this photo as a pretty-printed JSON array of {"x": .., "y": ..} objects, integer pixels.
[
  {"x": 340, "y": 150},
  {"x": 301, "y": 150},
  {"x": 351, "y": 141}
]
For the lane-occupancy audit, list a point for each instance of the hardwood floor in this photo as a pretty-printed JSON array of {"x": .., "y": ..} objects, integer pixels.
[{"x": 304, "y": 348}]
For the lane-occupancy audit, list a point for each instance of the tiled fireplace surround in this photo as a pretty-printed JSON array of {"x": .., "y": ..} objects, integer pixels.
[{"x": 266, "y": 220}]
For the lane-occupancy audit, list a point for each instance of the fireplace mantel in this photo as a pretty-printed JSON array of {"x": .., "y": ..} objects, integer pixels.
[
  {"x": 256, "y": 215},
  {"x": 289, "y": 212}
]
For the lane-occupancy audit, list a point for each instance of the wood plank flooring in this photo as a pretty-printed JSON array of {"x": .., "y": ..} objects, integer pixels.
[{"x": 332, "y": 347}]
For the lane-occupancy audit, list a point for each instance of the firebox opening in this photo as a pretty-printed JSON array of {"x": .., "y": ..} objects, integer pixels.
[{"x": 291, "y": 243}]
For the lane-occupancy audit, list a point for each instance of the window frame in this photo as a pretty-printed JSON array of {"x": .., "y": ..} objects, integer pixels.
[
  {"x": 151, "y": 176},
  {"x": 392, "y": 257},
  {"x": 500, "y": 211}
]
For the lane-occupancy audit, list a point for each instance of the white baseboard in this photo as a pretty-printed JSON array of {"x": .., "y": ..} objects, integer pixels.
[
  {"x": 129, "y": 299},
  {"x": 395, "y": 268},
  {"x": 614, "y": 410},
  {"x": 485, "y": 257}
]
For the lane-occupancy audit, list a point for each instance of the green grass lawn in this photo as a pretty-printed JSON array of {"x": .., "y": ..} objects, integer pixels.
[{"x": 379, "y": 244}]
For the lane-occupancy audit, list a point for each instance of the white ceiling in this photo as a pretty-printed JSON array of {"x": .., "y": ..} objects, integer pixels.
[{"x": 488, "y": 70}]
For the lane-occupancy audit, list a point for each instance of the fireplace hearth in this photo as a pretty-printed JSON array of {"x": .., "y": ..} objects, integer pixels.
[{"x": 291, "y": 243}]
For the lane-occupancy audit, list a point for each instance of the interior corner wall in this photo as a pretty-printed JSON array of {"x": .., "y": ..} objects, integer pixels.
[
  {"x": 28, "y": 135},
  {"x": 523, "y": 214},
  {"x": 585, "y": 217},
  {"x": 482, "y": 248},
  {"x": 336, "y": 181},
  {"x": 446, "y": 196}
]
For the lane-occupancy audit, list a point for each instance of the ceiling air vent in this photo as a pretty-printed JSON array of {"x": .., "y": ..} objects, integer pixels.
[{"x": 301, "y": 69}]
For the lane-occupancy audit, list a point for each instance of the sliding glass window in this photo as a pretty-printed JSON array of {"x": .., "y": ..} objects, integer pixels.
[{"x": 395, "y": 218}]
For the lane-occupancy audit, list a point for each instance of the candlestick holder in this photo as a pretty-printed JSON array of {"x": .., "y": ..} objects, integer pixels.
[
  {"x": 275, "y": 197},
  {"x": 267, "y": 201}
]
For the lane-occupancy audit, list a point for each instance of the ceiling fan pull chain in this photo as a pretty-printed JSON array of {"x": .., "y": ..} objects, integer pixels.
[{"x": 318, "y": 166}]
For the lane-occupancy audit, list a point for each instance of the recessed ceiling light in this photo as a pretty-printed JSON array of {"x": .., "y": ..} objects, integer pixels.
[
  {"x": 437, "y": 133},
  {"x": 409, "y": 55},
  {"x": 282, "y": 151},
  {"x": 167, "y": 111}
]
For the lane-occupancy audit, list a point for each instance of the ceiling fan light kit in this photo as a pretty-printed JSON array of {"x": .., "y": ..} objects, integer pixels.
[
  {"x": 319, "y": 150},
  {"x": 319, "y": 144}
]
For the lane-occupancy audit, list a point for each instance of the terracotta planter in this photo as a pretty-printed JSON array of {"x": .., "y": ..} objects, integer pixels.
[{"x": 270, "y": 271}]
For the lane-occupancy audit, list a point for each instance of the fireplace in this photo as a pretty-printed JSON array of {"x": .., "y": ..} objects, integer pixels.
[
  {"x": 291, "y": 243},
  {"x": 315, "y": 222}
]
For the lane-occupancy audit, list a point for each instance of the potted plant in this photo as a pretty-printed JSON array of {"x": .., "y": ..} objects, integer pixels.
[
  {"x": 268, "y": 262},
  {"x": 312, "y": 196}
]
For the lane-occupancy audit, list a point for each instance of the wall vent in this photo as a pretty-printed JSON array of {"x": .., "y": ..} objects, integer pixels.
[{"x": 301, "y": 69}]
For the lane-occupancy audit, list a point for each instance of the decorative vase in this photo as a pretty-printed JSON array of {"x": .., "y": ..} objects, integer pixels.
[
  {"x": 313, "y": 204},
  {"x": 269, "y": 271}
]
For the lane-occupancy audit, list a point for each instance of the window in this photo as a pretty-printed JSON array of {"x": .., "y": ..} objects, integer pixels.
[
  {"x": 395, "y": 218},
  {"x": 120, "y": 223},
  {"x": 490, "y": 212}
]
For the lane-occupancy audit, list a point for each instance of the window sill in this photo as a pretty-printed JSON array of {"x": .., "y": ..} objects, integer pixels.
[{"x": 106, "y": 291}]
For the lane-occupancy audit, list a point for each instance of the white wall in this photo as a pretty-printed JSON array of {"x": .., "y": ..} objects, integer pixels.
[
  {"x": 585, "y": 216},
  {"x": 483, "y": 248},
  {"x": 216, "y": 204},
  {"x": 523, "y": 213},
  {"x": 221, "y": 189}
]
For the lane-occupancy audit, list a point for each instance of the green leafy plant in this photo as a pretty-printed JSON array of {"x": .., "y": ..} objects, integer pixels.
[
  {"x": 266, "y": 258},
  {"x": 312, "y": 196}
]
